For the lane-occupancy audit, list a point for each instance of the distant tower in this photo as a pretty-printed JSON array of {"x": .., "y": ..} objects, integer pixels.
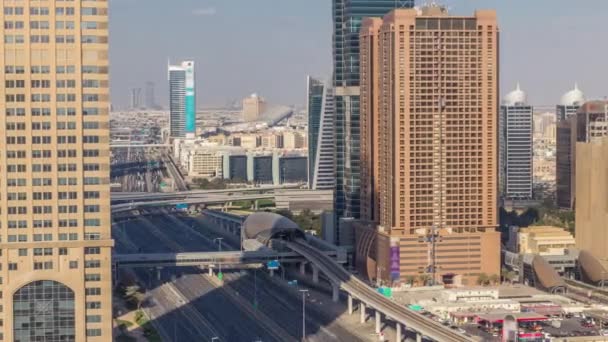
[
  {"x": 320, "y": 102},
  {"x": 135, "y": 98},
  {"x": 253, "y": 107},
  {"x": 182, "y": 100},
  {"x": 566, "y": 111},
  {"x": 150, "y": 101},
  {"x": 515, "y": 147}
]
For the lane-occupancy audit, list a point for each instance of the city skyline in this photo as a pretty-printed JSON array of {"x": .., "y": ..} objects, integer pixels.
[{"x": 139, "y": 54}]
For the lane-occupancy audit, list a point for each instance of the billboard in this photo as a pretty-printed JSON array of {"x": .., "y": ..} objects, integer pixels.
[
  {"x": 190, "y": 98},
  {"x": 395, "y": 258}
]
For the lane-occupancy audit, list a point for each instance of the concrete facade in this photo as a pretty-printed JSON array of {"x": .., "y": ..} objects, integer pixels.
[
  {"x": 55, "y": 208},
  {"x": 592, "y": 199},
  {"x": 437, "y": 142}
]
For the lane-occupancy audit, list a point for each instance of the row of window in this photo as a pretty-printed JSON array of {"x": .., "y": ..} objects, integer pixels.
[
  {"x": 58, "y": 11},
  {"x": 47, "y": 98},
  {"x": 49, "y": 237},
  {"x": 47, "y": 83},
  {"x": 22, "y": 196},
  {"x": 14, "y": 168},
  {"x": 47, "y": 111},
  {"x": 73, "y": 264},
  {"x": 45, "y": 38},
  {"x": 62, "y": 223},
  {"x": 47, "y": 125},
  {"x": 16, "y": 182},
  {"x": 48, "y": 209},
  {"x": 60, "y": 25},
  {"x": 61, "y": 69},
  {"x": 22, "y": 140}
]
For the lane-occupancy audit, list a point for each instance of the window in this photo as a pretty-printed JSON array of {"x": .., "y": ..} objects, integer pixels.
[
  {"x": 92, "y": 277},
  {"x": 92, "y": 264},
  {"x": 93, "y": 291},
  {"x": 93, "y": 332},
  {"x": 93, "y": 305},
  {"x": 63, "y": 251},
  {"x": 12, "y": 266},
  {"x": 93, "y": 319},
  {"x": 40, "y": 316},
  {"x": 22, "y": 251},
  {"x": 73, "y": 264},
  {"x": 92, "y": 250}
]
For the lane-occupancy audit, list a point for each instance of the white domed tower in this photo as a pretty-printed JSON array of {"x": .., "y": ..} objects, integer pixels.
[
  {"x": 515, "y": 147},
  {"x": 570, "y": 103}
]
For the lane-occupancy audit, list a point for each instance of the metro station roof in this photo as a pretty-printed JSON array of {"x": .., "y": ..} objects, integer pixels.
[
  {"x": 592, "y": 270},
  {"x": 265, "y": 226}
]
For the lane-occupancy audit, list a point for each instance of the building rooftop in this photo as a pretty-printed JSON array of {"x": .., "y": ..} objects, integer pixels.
[
  {"x": 516, "y": 97},
  {"x": 573, "y": 98}
]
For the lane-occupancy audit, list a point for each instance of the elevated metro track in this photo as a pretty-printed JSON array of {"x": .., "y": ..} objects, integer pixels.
[{"x": 370, "y": 297}]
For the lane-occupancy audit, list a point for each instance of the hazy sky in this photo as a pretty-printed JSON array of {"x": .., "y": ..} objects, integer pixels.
[{"x": 269, "y": 46}]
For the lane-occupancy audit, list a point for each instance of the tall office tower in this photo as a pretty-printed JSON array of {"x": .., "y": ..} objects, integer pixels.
[
  {"x": 592, "y": 199},
  {"x": 515, "y": 146},
  {"x": 436, "y": 109},
  {"x": 135, "y": 98},
  {"x": 320, "y": 102},
  {"x": 150, "y": 100},
  {"x": 54, "y": 166},
  {"x": 253, "y": 107},
  {"x": 566, "y": 112},
  {"x": 347, "y": 16},
  {"x": 182, "y": 100},
  {"x": 570, "y": 103}
]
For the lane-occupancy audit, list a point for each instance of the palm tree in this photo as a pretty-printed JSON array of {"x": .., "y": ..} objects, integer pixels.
[
  {"x": 424, "y": 279},
  {"x": 482, "y": 279}
]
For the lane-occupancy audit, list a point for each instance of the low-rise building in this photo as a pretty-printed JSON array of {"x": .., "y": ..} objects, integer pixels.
[{"x": 544, "y": 240}]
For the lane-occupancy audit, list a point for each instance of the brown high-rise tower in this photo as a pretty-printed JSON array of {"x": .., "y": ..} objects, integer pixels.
[
  {"x": 55, "y": 263},
  {"x": 429, "y": 114}
]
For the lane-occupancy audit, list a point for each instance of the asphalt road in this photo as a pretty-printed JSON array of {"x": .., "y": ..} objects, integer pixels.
[{"x": 187, "y": 306}]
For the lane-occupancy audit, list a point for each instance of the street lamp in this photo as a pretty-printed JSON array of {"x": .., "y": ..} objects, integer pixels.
[
  {"x": 304, "y": 292},
  {"x": 220, "y": 249}
]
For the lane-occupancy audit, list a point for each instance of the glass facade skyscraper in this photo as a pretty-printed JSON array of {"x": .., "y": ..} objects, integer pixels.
[
  {"x": 347, "y": 17},
  {"x": 320, "y": 135},
  {"x": 182, "y": 100}
]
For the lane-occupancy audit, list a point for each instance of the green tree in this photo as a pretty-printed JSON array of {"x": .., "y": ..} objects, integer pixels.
[
  {"x": 483, "y": 279},
  {"x": 409, "y": 279},
  {"x": 494, "y": 279},
  {"x": 424, "y": 279}
]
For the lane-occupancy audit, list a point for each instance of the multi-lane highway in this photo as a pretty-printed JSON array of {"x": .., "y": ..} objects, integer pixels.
[{"x": 249, "y": 307}]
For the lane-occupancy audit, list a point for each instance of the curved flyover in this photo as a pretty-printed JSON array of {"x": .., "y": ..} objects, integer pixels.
[{"x": 369, "y": 296}]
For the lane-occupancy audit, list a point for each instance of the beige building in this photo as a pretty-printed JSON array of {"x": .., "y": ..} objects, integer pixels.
[
  {"x": 206, "y": 164},
  {"x": 591, "y": 204},
  {"x": 544, "y": 240},
  {"x": 436, "y": 121},
  {"x": 253, "y": 107},
  {"x": 250, "y": 141},
  {"x": 293, "y": 140},
  {"x": 54, "y": 170}
]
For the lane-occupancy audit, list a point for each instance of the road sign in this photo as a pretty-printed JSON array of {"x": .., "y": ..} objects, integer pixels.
[
  {"x": 220, "y": 276},
  {"x": 273, "y": 265}
]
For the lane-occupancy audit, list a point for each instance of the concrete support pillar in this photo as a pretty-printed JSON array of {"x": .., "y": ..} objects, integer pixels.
[
  {"x": 210, "y": 271},
  {"x": 398, "y": 332},
  {"x": 315, "y": 274},
  {"x": 158, "y": 273},
  {"x": 362, "y": 313},
  {"x": 378, "y": 322},
  {"x": 302, "y": 268},
  {"x": 271, "y": 273},
  {"x": 418, "y": 337},
  {"x": 350, "y": 304},
  {"x": 335, "y": 293},
  {"x": 256, "y": 205}
]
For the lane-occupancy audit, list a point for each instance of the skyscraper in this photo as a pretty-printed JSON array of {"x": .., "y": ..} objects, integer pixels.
[
  {"x": 135, "y": 98},
  {"x": 182, "y": 100},
  {"x": 433, "y": 105},
  {"x": 55, "y": 209},
  {"x": 320, "y": 109},
  {"x": 150, "y": 100},
  {"x": 515, "y": 146},
  {"x": 566, "y": 112},
  {"x": 347, "y": 17},
  {"x": 589, "y": 124},
  {"x": 253, "y": 107}
]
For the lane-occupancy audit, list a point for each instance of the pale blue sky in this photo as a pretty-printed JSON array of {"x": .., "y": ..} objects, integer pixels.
[{"x": 269, "y": 46}]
